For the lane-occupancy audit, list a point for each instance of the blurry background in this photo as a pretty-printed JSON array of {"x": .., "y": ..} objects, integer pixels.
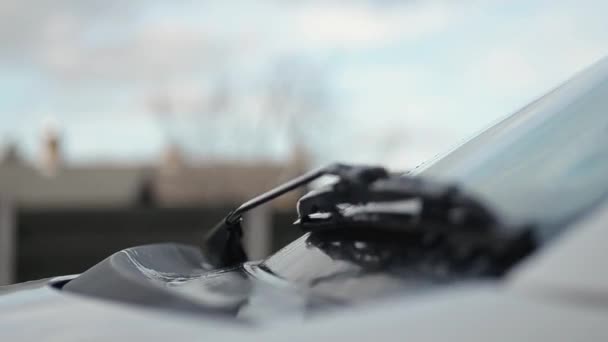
[{"x": 130, "y": 122}]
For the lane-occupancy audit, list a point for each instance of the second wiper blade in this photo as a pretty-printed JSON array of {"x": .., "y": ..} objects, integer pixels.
[
  {"x": 413, "y": 206},
  {"x": 397, "y": 197}
]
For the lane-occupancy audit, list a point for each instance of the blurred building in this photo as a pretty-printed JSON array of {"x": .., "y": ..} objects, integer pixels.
[
  {"x": 173, "y": 182},
  {"x": 57, "y": 218},
  {"x": 177, "y": 183}
]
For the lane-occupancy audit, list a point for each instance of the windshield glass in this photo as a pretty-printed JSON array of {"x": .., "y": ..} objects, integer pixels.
[
  {"x": 345, "y": 268},
  {"x": 545, "y": 164}
]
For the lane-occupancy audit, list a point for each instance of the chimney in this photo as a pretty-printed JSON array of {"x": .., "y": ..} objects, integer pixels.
[
  {"x": 172, "y": 158},
  {"x": 51, "y": 158},
  {"x": 300, "y": 159}
]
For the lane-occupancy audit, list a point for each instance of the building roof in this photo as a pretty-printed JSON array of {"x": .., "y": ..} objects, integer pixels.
[{"x": 217, "y": 183}]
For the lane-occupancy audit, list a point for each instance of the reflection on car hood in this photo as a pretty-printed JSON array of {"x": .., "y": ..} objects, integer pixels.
[{"x": 174, "y": 277}]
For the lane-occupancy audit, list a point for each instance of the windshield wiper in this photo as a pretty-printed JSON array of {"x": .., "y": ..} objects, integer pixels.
[
  {"x": 223, "y": 245},
  {"x": 369, "y": 199}
]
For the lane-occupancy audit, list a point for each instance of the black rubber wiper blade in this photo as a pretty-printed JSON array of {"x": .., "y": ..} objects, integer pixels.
[
  {"x": 441, "y": 209},
  {"x": 406, "y": 206},
  {"x": 436, "y": 202}
]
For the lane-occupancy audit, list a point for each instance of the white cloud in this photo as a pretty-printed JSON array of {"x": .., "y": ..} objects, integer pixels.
[
  {"x": 484, "y": 81},
  {"x": 545, "y": 48},
  {"x": 359, "y": 25},
  {"x": 505, "y": 70},
  {"x": 102, "y": 54}
]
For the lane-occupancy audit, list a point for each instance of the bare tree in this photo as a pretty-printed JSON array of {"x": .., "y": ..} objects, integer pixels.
[
  {"x": 292, "y": 98},
  {"x": 161, "y": 107},
  {"x": 298, "y": 97}
]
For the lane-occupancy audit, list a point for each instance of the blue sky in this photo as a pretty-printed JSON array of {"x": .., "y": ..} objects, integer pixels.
[{"x": 404, "y": 80}]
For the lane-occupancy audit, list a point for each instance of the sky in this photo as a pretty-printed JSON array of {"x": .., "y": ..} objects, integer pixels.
[{"x": 376, "y": 81}]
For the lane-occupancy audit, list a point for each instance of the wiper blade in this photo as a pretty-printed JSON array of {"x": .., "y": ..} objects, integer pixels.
[
  {"x": 381, "y": 199},
  {"x": 370, "y": 198},
  {"x": 223, "y": 246}
]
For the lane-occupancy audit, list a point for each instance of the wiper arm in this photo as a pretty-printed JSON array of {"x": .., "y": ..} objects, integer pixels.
[
  {"x": 223, "y": 245},
  {"x": 347, "y": 173},
  {"x": 359, "y": 200}
]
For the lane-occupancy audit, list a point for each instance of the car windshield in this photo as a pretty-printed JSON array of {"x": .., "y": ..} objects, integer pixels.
[{"x": 546, "y": 164}]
